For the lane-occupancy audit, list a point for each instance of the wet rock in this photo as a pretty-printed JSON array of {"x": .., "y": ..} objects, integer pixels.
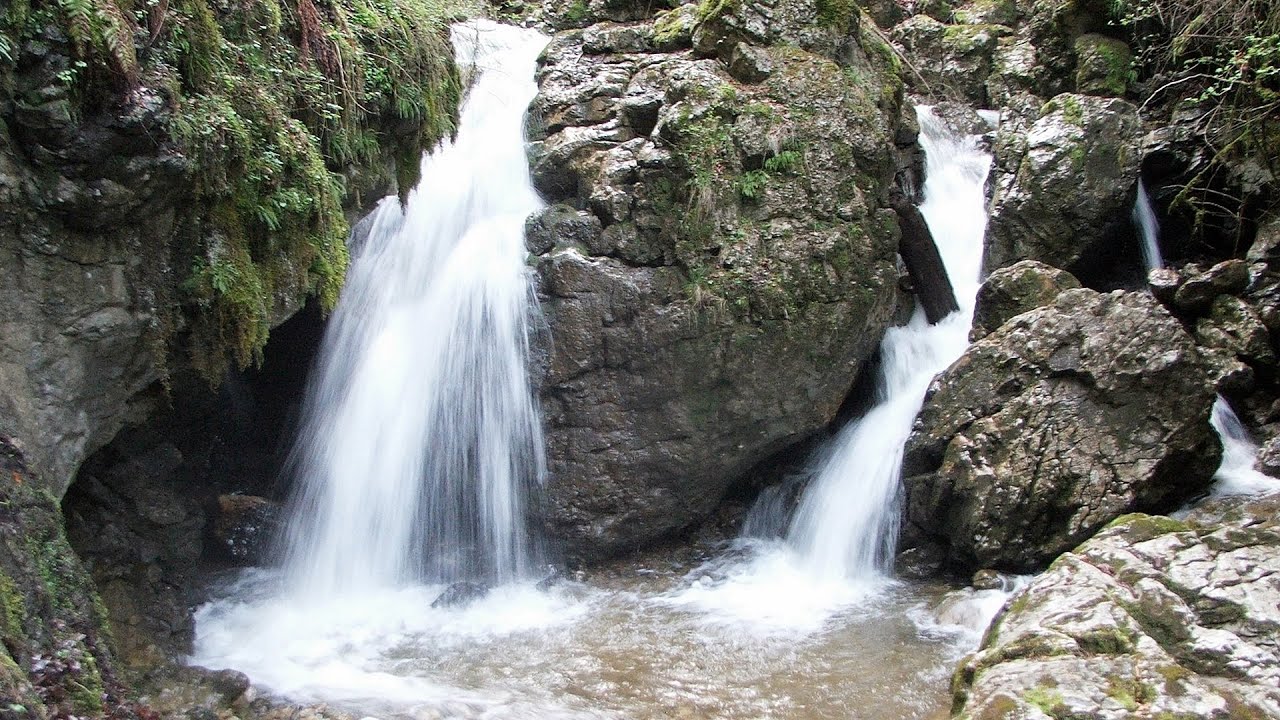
[
  {"x": 750, "y": 64},
  {"x": 1266, "y": 244},
  {"x": 1013, "y": 290},
  {"x": 140, "y": 536},
  {"x": 1199, "y": 289},
  {"x": 739, "y": 220},
  {"x": 56, "y": 658},
  {"x": 1233, "y": 325},
  {"x": 951, "y": 59},
  {"x": 460, "y": 595},
  {"x": 1164, "y": 284},
  {"x": 565, "y": 226},
  {"x": 1051, "y": 426},
  {"x": 1103, "y": 65},
  {"x": 920, "y": 562},
  {"x": 987, "y": 12},
  {"x": 988, "y": 579},
  {"x": 1064, "y": 189},
  {"x": 1268, "y": 461},
  {"x": 1151, "y": 618},
  {"x": 244, "y": 526}
]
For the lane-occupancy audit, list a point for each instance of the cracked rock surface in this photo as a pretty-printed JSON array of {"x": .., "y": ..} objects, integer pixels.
[
  {"x": 1152, "y": 618},
  {"x": 1064, "y": 418}
]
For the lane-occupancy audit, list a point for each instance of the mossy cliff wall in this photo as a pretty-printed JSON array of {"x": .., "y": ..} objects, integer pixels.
[{"x": 174, "y": 181}]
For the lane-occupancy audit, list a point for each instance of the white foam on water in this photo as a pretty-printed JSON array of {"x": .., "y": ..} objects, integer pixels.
[{"x": 1236, "y": 474}]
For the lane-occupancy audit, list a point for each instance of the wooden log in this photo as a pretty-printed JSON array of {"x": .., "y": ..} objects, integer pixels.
[{"x": 924, "y": 264}]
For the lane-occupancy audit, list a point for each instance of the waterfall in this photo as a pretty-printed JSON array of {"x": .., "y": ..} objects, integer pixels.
[
  {"x": 847, "y": 521},
  {"x": 421, "y": 436},
  {"x": 1235, "y": 474},
  {"x": 1144, "y": 217}
]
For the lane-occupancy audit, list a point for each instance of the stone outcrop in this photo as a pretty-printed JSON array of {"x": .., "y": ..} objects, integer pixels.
[
  {"x": 136, "y": 253},
  {"x": 1064, "y": 186},
  {"x": 55, "y": 659},
  {"x": 1056, "y": 423},
  {"x": 1151, "y": 618},
  {"x": 731, "y": 263},
  {"x": 1013, "y": 290}
]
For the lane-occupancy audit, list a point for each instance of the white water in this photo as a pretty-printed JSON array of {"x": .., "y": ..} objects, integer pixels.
[
  {"x": 420, "y": 436},
  {"x": 1144, "y": 216},
  {"x": 1235, "y": 474},
  {"x": 846, "y": 524},
  {"x": 753, "y": 634}
]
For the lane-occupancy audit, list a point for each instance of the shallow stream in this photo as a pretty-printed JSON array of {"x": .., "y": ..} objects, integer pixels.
[{"x": 749, "y": 635}]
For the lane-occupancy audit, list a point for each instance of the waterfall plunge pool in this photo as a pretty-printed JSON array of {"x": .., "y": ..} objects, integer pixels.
[{"x": 748, "y": 634}]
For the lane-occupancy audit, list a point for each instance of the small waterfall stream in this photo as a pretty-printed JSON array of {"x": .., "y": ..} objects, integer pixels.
[
  {"x": 1235, "y": 474},
  {"x": 846, "y": 524}
]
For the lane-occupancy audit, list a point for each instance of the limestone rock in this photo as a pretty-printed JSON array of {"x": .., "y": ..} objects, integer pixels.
[
  {"x": 1102, "y": 65},
  {"x": 1064, "y": 189},
  {"x": 1201, "y": 287},
  {"x": 1152, "y": 618},
  {"x": 1234, "y": 326},
  {"x": 1051, "y": 426},
  {"x": 951, "y": 58},
  {"x": 740, "y": 218},
  {"x": 1013, "y": 290}
]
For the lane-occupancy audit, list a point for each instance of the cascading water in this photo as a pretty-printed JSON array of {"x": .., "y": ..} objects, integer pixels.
[
  {"x": 846, "y": 524},
  {"x": 1144, "y": 217},
  {"x": 352, "y": 622},
  {"x": 1235, "y": 474},
  {"x": 420, "y": 436}
]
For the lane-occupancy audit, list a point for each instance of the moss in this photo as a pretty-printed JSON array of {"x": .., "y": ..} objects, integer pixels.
[
  {"x": 1139, "y": 527},
  {"x": 1045, "y": 698},
  {"x": 1175, "y": 677},
  {"x": 577, "y": 12},
  {"x": 13, "y": 608},
  {"x": 839, "y": 15},
  {"x": 670, "y": 28},
  {"x": 1072, "y": 111},
  {"x": 269, "y": 100}
]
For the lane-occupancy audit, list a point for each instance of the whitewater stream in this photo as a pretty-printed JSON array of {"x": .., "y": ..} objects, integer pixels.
[{"x": 422, "y": 382}]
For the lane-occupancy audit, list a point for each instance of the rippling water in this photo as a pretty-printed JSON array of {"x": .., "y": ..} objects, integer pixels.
[{"x": 736, "y": 637}]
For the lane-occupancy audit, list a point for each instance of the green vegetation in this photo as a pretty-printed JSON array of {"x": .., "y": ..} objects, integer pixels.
[
  {"x": 269, "y": 100},
  {"x": 1045, "y": 698},
  {"x": 1225, "y": 58},
  {"x": 839, "y": 15}
]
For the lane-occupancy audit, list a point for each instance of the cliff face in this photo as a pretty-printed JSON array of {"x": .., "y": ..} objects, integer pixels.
[
  {"x": 173, "y": 184},
  {"x": 725, "y": 260}
]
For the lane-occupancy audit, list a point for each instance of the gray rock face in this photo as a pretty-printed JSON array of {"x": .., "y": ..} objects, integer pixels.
[
  {"x": 83, "y": 238},
  {"x": 1152, "y": 618},
  {"x": 1013, "y": 290},
  {"x": 1064, "y": 189},
  {"x": 1056, "y": 423},
  {"x": 731, "y": 267},
  {"x": 951, "y": 59}
]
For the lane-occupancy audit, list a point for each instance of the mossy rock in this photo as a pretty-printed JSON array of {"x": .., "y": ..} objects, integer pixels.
[
  {"x": 1104, "y": 65},
  {"x": 54, "y": 639}
]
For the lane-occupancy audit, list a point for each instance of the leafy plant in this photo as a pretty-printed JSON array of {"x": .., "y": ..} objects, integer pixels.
[{"x": 1225, "y": 58}]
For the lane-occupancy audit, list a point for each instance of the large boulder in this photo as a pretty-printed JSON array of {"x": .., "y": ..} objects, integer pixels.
[
  {"x": 1065, "y": 187},
  {"x": 1013, "y": 290},
  {"x": 1153, "y": 618},
  {"x": 1055, "y": 424},
  {"x": 732, "y": 209}
]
